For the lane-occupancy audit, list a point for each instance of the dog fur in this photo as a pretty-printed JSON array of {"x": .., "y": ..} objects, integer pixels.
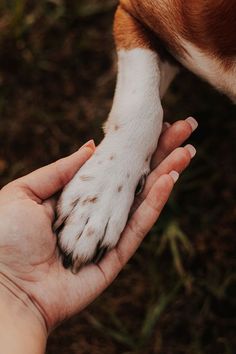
[{"x": 153, "y": 38}]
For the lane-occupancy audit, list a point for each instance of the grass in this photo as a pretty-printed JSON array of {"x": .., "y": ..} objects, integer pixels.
[{"x": 177, "y": 295}]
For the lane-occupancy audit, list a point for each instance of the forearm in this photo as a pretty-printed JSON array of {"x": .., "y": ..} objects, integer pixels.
[{"x": 22, "y": 331}]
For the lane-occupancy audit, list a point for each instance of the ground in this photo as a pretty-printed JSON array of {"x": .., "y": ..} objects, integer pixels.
[{"x": 177, "y": 295}]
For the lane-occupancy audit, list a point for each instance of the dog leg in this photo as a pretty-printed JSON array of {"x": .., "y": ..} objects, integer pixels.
[{"x": 94, "y": 207}]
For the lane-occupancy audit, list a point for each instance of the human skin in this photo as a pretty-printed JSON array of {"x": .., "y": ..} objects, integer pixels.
[{"x": 36, "y": 292}]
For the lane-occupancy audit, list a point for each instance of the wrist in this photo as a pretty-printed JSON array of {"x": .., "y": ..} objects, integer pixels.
[{"x": 22, "y": 327}]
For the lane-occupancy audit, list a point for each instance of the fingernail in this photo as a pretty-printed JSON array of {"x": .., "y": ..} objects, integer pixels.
[
  {"x": 192, "y": 121},
  {"x": 191, "y": 150},
  {"x": 90, "y": 144},
  {"x": 174, "y": 175},
  {"x": 165, "y": 126}
]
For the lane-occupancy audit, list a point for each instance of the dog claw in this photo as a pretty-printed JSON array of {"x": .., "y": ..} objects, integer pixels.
[
  {"x": 67, "y": 260},
  {"x": 141, "y": 185},
  {"x": 76, "y": 266},
  {"x": 99, "y": 255}
]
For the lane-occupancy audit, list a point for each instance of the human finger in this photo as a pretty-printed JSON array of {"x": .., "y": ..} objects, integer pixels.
[
  {"x": 48, "y": 180},
  {"x": 173, "y": 137},
  {"x": 178, "y": 161}
]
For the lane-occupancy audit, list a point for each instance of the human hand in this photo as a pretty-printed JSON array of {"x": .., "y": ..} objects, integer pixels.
[{"x": 30, "y": 265}]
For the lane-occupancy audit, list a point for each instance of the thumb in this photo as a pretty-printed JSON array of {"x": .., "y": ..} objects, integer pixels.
[
  {"x": 93, "y": 279},
  {"x": 48, "y": 180}
]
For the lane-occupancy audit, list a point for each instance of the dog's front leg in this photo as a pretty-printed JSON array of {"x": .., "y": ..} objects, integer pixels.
[{"x": 94, "y": 207}]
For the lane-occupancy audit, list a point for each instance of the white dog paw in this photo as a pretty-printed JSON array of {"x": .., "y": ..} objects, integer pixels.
[{"x": 94, "y": 207}]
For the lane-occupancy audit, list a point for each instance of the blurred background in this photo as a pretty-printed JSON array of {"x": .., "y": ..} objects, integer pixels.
[{"x": 57, "y": 77}]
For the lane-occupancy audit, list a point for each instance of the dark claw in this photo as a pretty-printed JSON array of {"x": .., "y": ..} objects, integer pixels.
[
  {"x": 58, "y": 226},
  {"x": 77, "y": 266},
  {"x": 67, "y": 260},
  {"x": 99, "y": 254},
  {"x": 141, "y": 184}
]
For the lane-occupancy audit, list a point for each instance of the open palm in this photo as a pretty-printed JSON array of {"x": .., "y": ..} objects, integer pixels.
[{"x": 29, "y": 259}]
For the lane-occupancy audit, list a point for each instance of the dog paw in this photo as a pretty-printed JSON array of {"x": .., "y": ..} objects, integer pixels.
[{"x": 94, "y": 207}]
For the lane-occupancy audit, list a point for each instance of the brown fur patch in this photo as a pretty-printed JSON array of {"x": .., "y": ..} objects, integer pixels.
[
  {"x": 159, "y": 17},
  {"x": 131, "y": 31},
  {"x": 209, "y": 25},
  {"x": 128, "y": 32}
]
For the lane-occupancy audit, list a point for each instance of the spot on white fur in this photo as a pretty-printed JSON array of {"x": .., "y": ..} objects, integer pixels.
[{"x": 132, "y": 133}]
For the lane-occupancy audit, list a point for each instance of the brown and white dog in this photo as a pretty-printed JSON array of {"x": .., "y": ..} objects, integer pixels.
[{"x": 152, "y": 36}]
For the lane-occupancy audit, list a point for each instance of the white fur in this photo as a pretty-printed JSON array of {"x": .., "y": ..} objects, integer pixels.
[
  {"x": 132, "y": 132},
  {"x": 168, "y": 72},
  {"x": 209, "y": 68}
]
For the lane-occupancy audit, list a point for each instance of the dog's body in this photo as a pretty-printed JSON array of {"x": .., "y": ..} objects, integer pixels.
[{"x": 152, "y": 38}]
